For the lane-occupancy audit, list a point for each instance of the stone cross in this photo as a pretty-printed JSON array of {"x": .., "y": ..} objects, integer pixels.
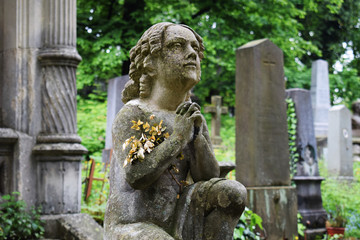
[
  {"x": 307, "y": 178},
  {"x": 216, "y": 110},
  {"x": 262, "y": 150},
  {"x": 340, "y": 142},
  {"x": 320, "y": 96}
]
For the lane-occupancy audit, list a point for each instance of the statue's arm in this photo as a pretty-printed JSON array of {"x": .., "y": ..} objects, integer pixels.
[
  {"x": 140, "y": 175},
  {"x": 205, "y": 165}
]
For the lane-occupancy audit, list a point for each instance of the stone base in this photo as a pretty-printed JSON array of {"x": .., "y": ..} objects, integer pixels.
[
  {"x": 225, "y": 168},
  {"x": 312, "y": 234},
  {"x": 72, "y": 227},
  {"x": 277, "y": 206}
]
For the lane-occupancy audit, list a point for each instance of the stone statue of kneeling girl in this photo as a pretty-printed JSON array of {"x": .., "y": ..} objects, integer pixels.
[{"x": 164, "y": 178}]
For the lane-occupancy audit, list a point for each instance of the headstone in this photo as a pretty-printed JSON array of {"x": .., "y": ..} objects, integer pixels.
[
  {"x": 355, "y": 124},
  {"x": 41, "y": 152},
  {"x": 320, "y": 96},
  {"x": 340, "y": 161},
  {"x": 262, "y": 153},
  {"x": 114, "y": 104},
  {"x": 307, "y": 178},
  {"x": 216, "y": 110}
]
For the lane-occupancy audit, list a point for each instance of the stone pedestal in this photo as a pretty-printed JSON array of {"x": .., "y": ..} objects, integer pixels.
[
  {"x": 8, "y": 139},
  {"x": 59, "y": 171},
  {"x": 277, "y": 206},
  {"x": 310, "y": 205}
]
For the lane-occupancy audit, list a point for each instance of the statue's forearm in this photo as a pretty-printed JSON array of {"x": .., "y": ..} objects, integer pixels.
[{"x": 204, "y": 166}]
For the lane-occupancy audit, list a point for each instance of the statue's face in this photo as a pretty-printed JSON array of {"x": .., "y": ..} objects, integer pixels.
[{"x": 179, "y": 63}]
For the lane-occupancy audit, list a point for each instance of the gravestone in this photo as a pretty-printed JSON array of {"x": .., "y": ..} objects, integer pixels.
[
  {"x": 340, "y": 161},
  {"x": 114, "y": 104},
  {"x": 307, "y": 178},
  {"x": 262, "y": 150},
  {"x": 355, "y": 124},
  {"x": 320, "y": 96},
  {"x": 216, "y": 110},
  {"x": 40, "y": 151}
]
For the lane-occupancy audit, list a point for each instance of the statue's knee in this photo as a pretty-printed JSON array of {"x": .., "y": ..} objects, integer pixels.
[{"x": 231, "y": 196}]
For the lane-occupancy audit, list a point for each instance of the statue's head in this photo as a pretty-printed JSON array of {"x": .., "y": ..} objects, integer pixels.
[{"x": 145, "y": 56}]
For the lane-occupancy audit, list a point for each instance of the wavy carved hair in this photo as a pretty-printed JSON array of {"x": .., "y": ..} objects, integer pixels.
[{"x": 141, "y": 72}]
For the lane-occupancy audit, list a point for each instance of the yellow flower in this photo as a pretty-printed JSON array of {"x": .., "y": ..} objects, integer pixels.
[
  {"x": 146, "y": 127},
  {"x": 136, "y": 125},
  {"x": 152, "y": 117}
]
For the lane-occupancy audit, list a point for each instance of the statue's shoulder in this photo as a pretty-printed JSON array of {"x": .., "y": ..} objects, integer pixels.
[{"x": 130, "y": 109}]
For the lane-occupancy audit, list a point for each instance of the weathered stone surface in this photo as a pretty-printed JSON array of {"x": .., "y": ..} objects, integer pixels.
[
  {"x": 16, "y": 164},
  {"x": 72, "y": 227},
  {"x": 320, "y": 96},
  {"x": 262, "y": 154},
  {"x": 305, "y": 137},
  {"x": 38, "y": 104},
  {"x": 277, "y": 206},
  {"x": 340, "y": 142},
  {"x": 148, "y": 198},
  {"x": 307, "y": 178},
  {"x": 262, "y": 151},
  {"x": 226, "y": 167}
]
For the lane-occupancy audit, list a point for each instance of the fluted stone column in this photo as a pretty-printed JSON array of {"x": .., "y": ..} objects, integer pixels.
[{"x": 58, "y": 148}]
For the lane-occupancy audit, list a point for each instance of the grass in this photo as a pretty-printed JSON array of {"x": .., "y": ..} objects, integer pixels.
[{"x": 344, "y": 194}]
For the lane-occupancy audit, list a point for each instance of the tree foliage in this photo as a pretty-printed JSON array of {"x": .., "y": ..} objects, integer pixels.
[{"x": 304, "y": 30}]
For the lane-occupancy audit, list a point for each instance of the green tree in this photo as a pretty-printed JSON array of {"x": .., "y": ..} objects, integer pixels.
[{"x": 108, "y": 29}]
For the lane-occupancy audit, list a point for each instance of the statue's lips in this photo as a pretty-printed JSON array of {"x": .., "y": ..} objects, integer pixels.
[{"x": 190, "y": 64}]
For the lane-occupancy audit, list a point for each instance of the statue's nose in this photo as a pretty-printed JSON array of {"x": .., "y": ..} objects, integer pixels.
[{"x": 191, "y": 53}]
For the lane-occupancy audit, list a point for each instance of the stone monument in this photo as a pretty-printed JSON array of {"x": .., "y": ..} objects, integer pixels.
[
  {"x": 216, "y": 110},
  {"x": 262, "y": 148},
  {"x": 340, "y": 161},
  {"x": 355, "y": 119},
  {"x": 320, "y": 96},
  {"x": 164, "y": 176},
  {"x": 307, "y": 178},
  {"x": 355, "y": 124},
  {"x": 40, "y": 151},
  {"x": 114, "y": 104}
]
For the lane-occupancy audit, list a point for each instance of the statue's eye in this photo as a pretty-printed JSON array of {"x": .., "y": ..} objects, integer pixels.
[
  {"x": 177, "y": 45},
  {"x": 196, "y": 48}
]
